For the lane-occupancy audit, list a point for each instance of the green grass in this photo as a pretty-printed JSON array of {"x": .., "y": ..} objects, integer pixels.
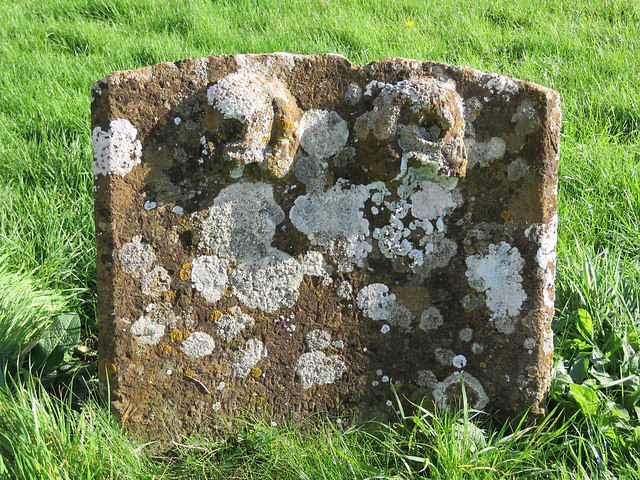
[{"x": 52, "y": 50}]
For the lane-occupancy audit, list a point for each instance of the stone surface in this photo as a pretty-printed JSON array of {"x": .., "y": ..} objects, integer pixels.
[{"x": 282, "y": 234}]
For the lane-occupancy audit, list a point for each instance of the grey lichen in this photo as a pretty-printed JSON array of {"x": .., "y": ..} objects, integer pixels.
[
  {"x": 230, "y": 324},
  {"x": 148, "y": 331},
  {"x": 441, "y": 391},
  {"x": 334, "y": 220},
  {"x": 247, "y": 358},
  {"x": 315, "y": 368},
  {"x": 242, "y": 221},
  {"x": 497, "y": 274},
  {"x": 209, "y": 276},
  {"x": 117, "y": 150},
  {"x": 269, "y": 282},
  {"x": 198, "y": 344},
  {"x": 323, "y": 133},
  {"x": 136, "y": 257},
  {"x": 155, "y": 282},
  {"x": 317, "y": 339}
]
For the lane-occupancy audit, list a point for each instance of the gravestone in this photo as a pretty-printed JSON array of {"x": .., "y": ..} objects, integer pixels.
[{"x": 280, "y": 234}]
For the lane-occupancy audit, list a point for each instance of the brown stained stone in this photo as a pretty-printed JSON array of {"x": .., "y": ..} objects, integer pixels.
[{"x": 281, "y": 234}]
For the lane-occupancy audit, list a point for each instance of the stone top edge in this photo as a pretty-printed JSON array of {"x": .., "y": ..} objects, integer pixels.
[{"x": 437, "y": 69}]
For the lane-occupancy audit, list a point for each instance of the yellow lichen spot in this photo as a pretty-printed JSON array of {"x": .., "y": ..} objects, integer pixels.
[
  {"x": 215, "y": 316},
  {"x": 505, "y": 215},
  {"x": 483, "y": 365},
  {"x": 166, "y": 349},
  {"x": 105, "y": 368},
  {"x": 168, "y": 294},
  {"x": 256, "y": 372},
  {"x": 188, "y": 372},
  {"x": 285, "y": 124},
  {"x": 176, "y": 335},
  {"x": 281, "y": 388},
  {"x": 185, "y": 272}
]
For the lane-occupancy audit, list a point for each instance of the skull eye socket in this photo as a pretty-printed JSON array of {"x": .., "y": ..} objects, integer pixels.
[{"x": 232, "y": 130}]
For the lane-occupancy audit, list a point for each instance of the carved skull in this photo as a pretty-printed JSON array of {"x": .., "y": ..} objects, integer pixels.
[
  {"x": 426, "y": 116},
  {"x": 257, "y": 120}
]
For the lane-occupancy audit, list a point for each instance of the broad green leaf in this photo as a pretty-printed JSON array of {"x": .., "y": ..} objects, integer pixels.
[
  {"x": 584, "y": 324},
  {"x": 578, "y": 371},
  {"x": 584, "y": 396},
  {"x": 605, "y": 379},
  {"x": 59, "y": 339}
]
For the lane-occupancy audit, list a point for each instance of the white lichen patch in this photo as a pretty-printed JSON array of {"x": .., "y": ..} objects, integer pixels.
[
  {"x": 115, "y": 151},
  {"x": 465, "y": 334},
  {"x": 209, "y": 276},
  {"x": 323, "y": 133},
  {"x": 345, "y": 290},
  {"x": 247, "y": 358},
  {"x": 334, "y": 221},
  {"x": 438, "y": 252},
  {"x": 499, "y": 84},
  {"x": 136, "y": 257},
  {"x": 517, "y": 169},
  {"x": 315, "y": 368},
  {"x": 473, "y": 301},
  {"x": 198, "y": 344},
  {"x": 459, "y": 361},
  {"x": 497, "y": 275},
  {"x": 269, "y": 282},
  {"x": 242, "y": 221},
  {"x": 426, "y": 379},
  {"x": 230, "y": 324},
  {"x": 430, "y": 319},
  {"x": 435, "y": 199},
  {"x": 155, "y": 282},
  {"x": 477, "y": 348},
  {"x": 375, "y": 301},
  {"x": 441, "y": 392},
  {"x": 546, "y": 257},
  {"x": 526, "y": 118},
  {"x": 147, "y": 330},
  {"x": 429, "y": 197},
  {"x": 444, "y": 356},
  {"x": 483, "y": 153},
  {"x": 315, "y": 266},
  {"x": 317, "y": 340}
]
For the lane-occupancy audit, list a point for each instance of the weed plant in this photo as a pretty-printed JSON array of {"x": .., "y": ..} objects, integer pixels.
[{"x": 52, "y": 50}]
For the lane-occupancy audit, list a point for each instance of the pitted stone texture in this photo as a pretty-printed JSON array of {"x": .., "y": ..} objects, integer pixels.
[{"x": 297, "y": 234}]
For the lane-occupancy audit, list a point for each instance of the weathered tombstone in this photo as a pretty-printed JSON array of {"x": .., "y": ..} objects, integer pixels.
[{"x": 282, "y": 234}]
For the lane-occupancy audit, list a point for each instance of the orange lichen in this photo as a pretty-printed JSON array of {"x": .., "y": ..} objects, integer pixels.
[
  {"x": 215, "y": 316},
  {"x": 185, "y": 272},
  {"x": 188, "y": 372},
  {"x": 176, "y": 335},
  {"x": 166, "y": 349},
  {"x": 505, "y": 215}
]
